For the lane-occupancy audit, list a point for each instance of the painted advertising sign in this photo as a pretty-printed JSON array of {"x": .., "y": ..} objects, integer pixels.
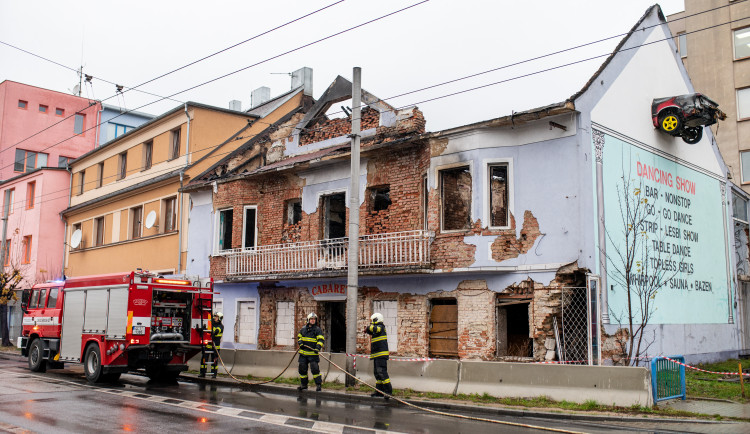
[{"x": 682, "y": 239}]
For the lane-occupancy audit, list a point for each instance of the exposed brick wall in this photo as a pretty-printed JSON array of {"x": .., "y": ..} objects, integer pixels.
[
  {"x": 507, "y": 246},
  {"x": 331, "y": 128},
  {"x": 304, "y": 303}
]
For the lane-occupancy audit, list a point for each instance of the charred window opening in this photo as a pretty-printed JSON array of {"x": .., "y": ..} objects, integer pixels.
[
  {"x": 499, "y": 195},
  {"x": 455, "y": 198},
  {"x": 380, "y": 198},
  {"x": 293, "y": 213},
  {"x": 334, "y": 215}
]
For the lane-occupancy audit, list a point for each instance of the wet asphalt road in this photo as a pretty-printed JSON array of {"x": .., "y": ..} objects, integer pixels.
[{"x": 62, "y": 401}]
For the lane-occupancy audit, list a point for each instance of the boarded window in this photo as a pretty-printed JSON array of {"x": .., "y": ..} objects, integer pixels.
[
  {"x": 285, "y": 333},
  {"x": 245, "y": 322},
  {"x": 444, "y": 327},
  {"x": 455, "y": 198},
  {"x": 389, "y": 309},
  {"x": 293, "y": 211},
  {"x": 380, "y": 198},
  {"x": 498, "y": 195},
  {"x": 334, "y": 225},
  {"x": 225, "y": 229}
]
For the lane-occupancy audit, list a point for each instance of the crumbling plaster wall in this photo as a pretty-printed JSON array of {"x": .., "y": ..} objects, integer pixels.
[{"x": 544, "y": 192}]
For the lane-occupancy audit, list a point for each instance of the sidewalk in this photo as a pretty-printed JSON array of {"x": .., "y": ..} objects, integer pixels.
[{"x": 709, "y": 406}]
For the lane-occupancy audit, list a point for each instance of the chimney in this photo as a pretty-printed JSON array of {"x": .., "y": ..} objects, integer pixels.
[
  {"x": 235, "y": 105},
  {"x": 259, "y": 96},
  {"x": 303, "y": 77}
]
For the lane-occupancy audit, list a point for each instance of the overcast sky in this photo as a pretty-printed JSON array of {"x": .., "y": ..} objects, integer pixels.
[{"x": 129, "y": 42}]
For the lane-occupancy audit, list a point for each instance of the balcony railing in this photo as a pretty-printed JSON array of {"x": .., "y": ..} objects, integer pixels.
[{"x": 395, "y": 249}]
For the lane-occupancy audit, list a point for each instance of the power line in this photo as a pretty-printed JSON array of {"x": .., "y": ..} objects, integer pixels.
[
  {"x": 127, "y": 89},
  {"x": 243, "y": 69},
  {"x": 151, "y": 174}
]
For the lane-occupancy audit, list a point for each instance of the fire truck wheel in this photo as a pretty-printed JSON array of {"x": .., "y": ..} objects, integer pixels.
[
  {"x": 92, "y": 364},
  {"x": 36, "y": 356}
]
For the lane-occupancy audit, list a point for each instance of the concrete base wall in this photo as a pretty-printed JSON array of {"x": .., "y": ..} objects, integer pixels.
[{"x": 623, "y": 386}]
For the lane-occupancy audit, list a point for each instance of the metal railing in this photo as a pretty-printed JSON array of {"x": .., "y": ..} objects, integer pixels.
[{"x": 395, "y": 249}]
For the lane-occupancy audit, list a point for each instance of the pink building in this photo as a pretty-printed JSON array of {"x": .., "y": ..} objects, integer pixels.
[{"x": 43, "y": 128}]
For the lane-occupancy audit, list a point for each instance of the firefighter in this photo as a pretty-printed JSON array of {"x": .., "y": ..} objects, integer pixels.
[
  {"x": 209, "y": 353},
  {"x": 379, "y": 355},
  {"x": 310, "y": 340}
]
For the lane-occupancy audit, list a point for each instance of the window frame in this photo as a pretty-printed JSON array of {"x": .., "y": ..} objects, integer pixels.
[
  {"x": 11, "y": 199},
  {"x": 148, "y": 153},
  {"x": 81, "y": 182},
  {"x": 30, "y": 194},
  {"x": 486, "y": 164},
  {"x": 100, "y": 175},
  {"x": 27, "y": 244},
  {"x": 82, "y": 117},
  {"x": 98, "y": 235},
  {"x": 217, "y": 244},
  {"x": 439, "y": 183},
  {"x": 38, "y": 157},
  {"x": 131, "y": 216},
  {"x": 681, "y": 38},
  {"x": 166, "y": 214},
  {"x": 734, "y": 44},
  {"x": 59, "y": 112},
  {"x": 174, "y": 145},
  {"x": 122, "y": 165},
  {"x": 67, "y": 161},
  {"x": 742, "y": 168},
  {"x": 244, "y": 226},
  {"x": 23, "y": 105},
  {"x": 289, "y": 211},
  {"x": 43, "y": 109}
]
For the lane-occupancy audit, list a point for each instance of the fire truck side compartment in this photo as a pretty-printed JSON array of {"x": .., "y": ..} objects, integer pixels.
[
  {"x": 75, "y": 302},
  {"x": 95, "y": 317},
  {"x": 118, "y": 312}
]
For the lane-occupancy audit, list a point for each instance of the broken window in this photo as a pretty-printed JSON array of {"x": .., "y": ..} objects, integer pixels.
[
  {"x": 225, "y": 229},
  {"x": 293, "y": 211},
  {"x": 380, "y": 198},
  {"x": 334, "y": 214},
  {"x": 455, "y": 198},
  {"x": 498, "y": 195}
]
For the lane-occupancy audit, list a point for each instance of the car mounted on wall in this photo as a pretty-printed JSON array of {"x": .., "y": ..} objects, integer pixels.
[{"x": 685, "y": 115}]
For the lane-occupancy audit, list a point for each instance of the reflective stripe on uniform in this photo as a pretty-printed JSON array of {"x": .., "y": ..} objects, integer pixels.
[
  {"x": 308, "y": 353},
  {"x": 302, "y": 338},
  {"x": 321, "y": 337},
  {"x": 379, "y": 339},
  {"x": 386, "y": 381},
  {"x": 380, "y": 354},
  {"x": 316, "y": 375}
]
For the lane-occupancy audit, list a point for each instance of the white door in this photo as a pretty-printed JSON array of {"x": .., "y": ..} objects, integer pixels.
[{"x": 246, "y": 322}]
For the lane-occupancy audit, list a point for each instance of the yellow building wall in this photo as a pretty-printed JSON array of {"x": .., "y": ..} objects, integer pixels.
[
  {"x": 124, "y": 224},
  {"x": 135, "y": 159},
  {"x": 110, "y": 170},
  {"x": 161, "y": 148},
  {"x": 108, "y": 228}
]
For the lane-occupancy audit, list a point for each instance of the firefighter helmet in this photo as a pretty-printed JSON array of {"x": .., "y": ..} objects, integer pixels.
[
  {"x": 376, "y": 317},
  {"x": 219, "y": 316},
  {"x": 312, "y": 315}
]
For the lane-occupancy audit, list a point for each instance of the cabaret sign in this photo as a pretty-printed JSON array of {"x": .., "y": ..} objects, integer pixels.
[{"x": 329, "y": 291}]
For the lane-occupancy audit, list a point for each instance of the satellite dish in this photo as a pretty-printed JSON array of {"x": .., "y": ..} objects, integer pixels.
[
  {"x": 150, "y": 219},
  {"x": 75, "y": 239},
  {"x": 76, "y": 90}
]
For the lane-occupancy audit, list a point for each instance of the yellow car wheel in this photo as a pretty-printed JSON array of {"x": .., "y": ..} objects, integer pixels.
[{"x": 670, "y": 123}]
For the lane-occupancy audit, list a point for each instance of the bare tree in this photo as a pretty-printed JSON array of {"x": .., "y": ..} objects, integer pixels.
[
  {"x": 636, "y": 263},
  {"x": 9, "y": 280}
]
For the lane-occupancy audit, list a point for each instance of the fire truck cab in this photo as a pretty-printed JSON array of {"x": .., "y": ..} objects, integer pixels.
[{"x": 116, "y": 323}]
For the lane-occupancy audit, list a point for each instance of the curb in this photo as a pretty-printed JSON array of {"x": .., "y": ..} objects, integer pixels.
[{"x": 443, "y": 406}]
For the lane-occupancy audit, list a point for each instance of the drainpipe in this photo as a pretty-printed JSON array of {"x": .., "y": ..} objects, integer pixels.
[
  {"x": 65, "y": 244},
  {"x": 182, "y": 177}
]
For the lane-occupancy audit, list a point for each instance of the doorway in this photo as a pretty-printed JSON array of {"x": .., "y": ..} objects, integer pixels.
[
  {"x": 334, "y": 326},
  {"x": 513, "y": 337}
]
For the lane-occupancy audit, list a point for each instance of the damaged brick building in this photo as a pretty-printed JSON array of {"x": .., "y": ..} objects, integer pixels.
[{"x": 493, "y": 240}]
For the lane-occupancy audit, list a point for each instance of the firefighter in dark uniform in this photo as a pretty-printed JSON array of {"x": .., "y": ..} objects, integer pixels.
[
  {"x": 379, "y": 355},
  {"x": 209, "y": 353},
  {"x": 310, "y": 340}
]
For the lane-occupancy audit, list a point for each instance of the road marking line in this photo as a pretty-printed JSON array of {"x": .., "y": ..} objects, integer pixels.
[
  {"x": 229, "y": 411},
  {"x": 13, "y": 429},
  {"x": 328, "y": 427},
  {"x": 274, "y": 418}
]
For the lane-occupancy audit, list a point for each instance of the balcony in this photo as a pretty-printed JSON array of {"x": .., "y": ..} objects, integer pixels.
[{"x": 380, "y": 251}]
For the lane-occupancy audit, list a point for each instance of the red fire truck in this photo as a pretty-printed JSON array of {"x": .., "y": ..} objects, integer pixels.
[{"x": 116, "y": 323}]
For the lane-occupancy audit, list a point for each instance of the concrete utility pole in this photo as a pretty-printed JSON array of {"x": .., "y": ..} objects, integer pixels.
[
  {"x": 3, "y": 241},
  {"x": 352, "y": 284}
]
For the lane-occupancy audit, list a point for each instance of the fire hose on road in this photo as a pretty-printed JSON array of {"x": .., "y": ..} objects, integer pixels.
[{"x": 428, "y": 410}]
